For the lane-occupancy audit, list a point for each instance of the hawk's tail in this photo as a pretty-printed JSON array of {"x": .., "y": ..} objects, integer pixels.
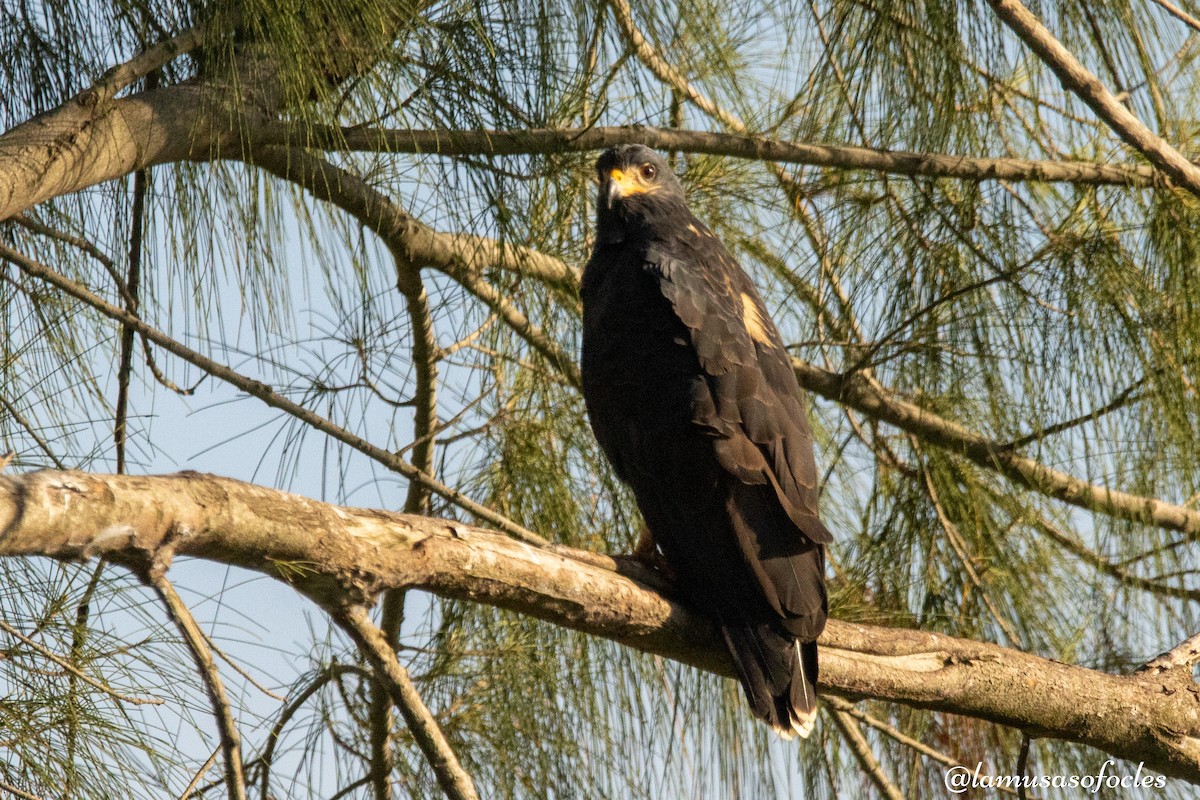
[{"x": 778, "y": 674}]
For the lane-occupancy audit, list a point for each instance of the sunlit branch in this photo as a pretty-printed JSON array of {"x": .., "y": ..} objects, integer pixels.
[
  {"x": 231, "y": 740},
  {"x": 1076, "y": 78},
  {"x": 868, "y": 397},
  {"x": 756, "y": 148},
  {"x": 1118, "y": 572},
  {"x": 1179, "y": 14},
  {"x": 351, "y": 553},
  {"x": 893, "y": 733},
  {"x": 267, "y": 395},
  {"x": 1184, "y": 656},
  {"x": 454, "y": 780}
]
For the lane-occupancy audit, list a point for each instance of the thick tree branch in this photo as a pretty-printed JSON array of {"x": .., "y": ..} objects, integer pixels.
[
  {"x": 74, "y": 147},
  {"x": 337, "y": 555},
  {"x": 80, "y": 145},
  {"x": 1184, "y": 656},
  {"x": 1078, "y": 79}
]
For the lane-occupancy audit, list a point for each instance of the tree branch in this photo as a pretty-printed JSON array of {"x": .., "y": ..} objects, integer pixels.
[
  {"x": 453, "y": 779},
  {"x": 1184, "y": 656},
  {"x": 231, "y": 740},
  {"x": 336, "y": 555},
  {"x": 868, "y": 397},
  {"x": 266, "y": 394},
  {"x": 861, "y": 749},
  {"x": 1076, "y": 78}
]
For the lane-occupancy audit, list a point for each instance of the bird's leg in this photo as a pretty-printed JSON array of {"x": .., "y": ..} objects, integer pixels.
[{"x": 646, "y": 551}]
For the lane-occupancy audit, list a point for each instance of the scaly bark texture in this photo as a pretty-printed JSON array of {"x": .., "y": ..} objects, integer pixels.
[{"x": 340, "y": 556}]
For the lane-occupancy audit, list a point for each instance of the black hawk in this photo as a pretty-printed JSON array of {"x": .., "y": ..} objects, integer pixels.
[{"x": 692, "y": 397}]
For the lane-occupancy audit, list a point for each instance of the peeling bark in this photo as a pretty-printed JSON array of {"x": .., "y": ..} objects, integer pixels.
[{"x": 339, "y": 556}]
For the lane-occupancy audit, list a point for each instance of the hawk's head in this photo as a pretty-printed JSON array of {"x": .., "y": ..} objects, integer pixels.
[{"x": 636, "y": 186}]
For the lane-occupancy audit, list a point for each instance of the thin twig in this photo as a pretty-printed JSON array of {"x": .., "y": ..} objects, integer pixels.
[
  {"x": 959, "y": 546},
  {"x": 141, "y": 181},
  {"x": 294, "y": 705},
  {"x": 917, "y": 745},
  {"x": 90, "y": 681},
  {"x": 79, "y": 632},
  {"x": 8, "y": 787},
  {"x": 861, "y": 749},
  {"x": 16, "y": 414},
  {"x": 1123, "y": 398},
  {"x": 455, "y": 782},
  {"x": 269, "y": 396},
  {"x": 231, "y": 747},
  {"x": 1023, "y": 765},
  {"x": 240, "y": 670},
  {"x": 153, "y": 58},
  {"x": 1179, "y": 14},
  {"x": 1114, "y": 570},
  {"x": 200, "y": 773}
]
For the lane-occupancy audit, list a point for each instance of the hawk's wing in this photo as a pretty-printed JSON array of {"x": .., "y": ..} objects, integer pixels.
[{"x": 750, "y": 402}]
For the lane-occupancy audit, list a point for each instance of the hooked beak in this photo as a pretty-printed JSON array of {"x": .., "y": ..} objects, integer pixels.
[
  {"x": 610, "y": 190},
  {"x": 620, "y": 184}
]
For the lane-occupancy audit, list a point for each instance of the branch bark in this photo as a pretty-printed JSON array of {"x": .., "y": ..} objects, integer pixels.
[{"x": 337, "y": 555}]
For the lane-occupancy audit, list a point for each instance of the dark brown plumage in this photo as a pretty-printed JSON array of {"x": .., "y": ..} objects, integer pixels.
[{"x": 692, "y": 397}]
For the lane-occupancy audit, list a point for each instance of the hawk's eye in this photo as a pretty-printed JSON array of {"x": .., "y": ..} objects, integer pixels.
[{"x": 649, "y": 172}]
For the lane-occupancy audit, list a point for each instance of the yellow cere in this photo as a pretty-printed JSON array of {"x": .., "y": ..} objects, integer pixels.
[{"x": 628, "y": 183}]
